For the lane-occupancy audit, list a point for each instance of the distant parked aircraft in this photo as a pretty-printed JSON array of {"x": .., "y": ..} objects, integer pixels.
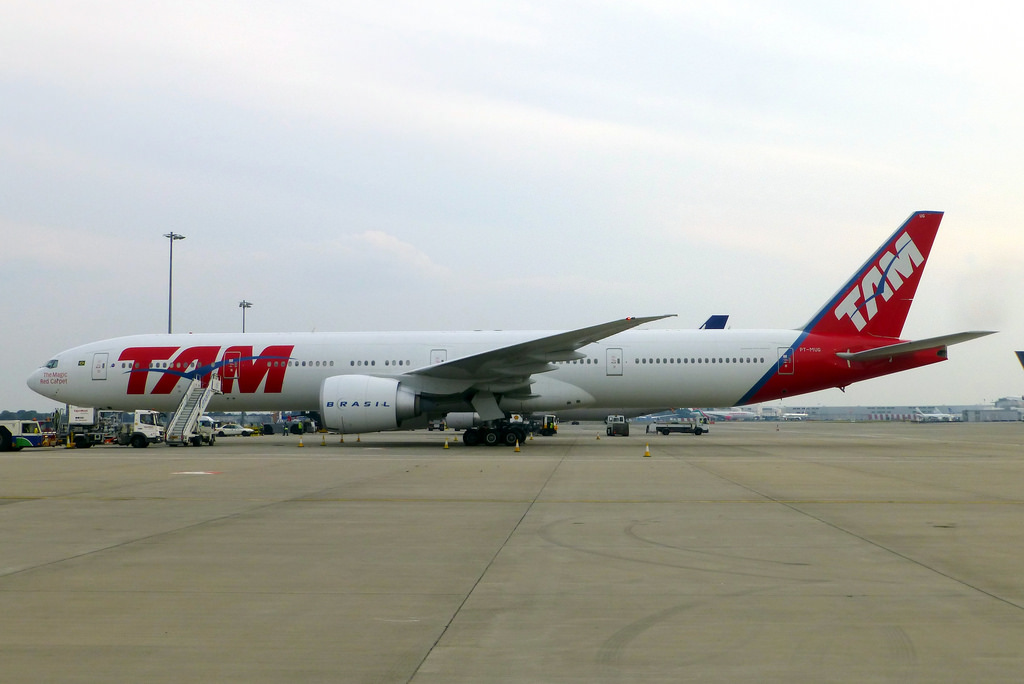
[{"x": 934, "y": 417}]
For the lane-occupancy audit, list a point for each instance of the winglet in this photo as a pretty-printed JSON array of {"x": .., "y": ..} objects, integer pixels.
[{"x": 876, "y": 300}]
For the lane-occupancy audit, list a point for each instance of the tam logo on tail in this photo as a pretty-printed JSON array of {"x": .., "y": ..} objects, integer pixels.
[
  {"x": 875, "y": 301},
  {"x": 883, "y": 279}
]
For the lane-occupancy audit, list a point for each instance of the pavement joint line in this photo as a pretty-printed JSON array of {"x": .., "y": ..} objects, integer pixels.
[
  {"x": 762, "y": 501},
  {"x": 484, "y": 571},
  {"x": 795, "y": 507}
]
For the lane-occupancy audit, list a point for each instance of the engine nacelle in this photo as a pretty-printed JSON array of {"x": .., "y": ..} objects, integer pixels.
[
  {"x": 462, "y": 421},
  {"x": 363, "y": 403}
]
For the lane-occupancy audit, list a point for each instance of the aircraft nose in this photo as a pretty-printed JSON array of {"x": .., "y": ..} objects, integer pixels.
[
  {"x": 46, "y": 381},
  {"x": 33, "y": 381}
]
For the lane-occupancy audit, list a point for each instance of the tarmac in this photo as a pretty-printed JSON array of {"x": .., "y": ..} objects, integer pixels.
[{"x": 761, "y": 552}]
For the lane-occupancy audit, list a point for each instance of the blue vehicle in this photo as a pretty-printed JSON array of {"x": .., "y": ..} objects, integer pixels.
[{"x": 18, "y": 434}]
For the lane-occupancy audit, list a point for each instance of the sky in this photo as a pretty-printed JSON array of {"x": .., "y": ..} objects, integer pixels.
[{"x": 533, "y": 165}]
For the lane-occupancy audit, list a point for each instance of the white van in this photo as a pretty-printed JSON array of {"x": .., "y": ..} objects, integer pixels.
[{"x": 204, "y": 430}]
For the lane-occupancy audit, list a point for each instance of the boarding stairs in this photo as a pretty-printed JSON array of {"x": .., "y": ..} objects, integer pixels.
[{"x": 197, "y": 397}]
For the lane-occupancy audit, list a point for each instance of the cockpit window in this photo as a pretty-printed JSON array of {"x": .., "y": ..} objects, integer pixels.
[{"x": 52, "y": 363}]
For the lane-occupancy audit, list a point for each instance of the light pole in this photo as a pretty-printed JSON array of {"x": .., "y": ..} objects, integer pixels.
[
  {"x": 170, "y": 275},
  {"x": 243, "y": 305}
]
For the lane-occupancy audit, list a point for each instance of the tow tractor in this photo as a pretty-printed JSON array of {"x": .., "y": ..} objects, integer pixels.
[
  {"x": 548, "y": 425},
  {"x": 616, "y": 425}
]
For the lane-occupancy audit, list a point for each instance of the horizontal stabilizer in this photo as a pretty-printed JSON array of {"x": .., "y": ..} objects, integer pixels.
[{"x": 901, "y": 348}]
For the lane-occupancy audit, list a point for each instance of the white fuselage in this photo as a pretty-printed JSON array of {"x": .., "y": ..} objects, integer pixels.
[{"x": 636, "y": 368}]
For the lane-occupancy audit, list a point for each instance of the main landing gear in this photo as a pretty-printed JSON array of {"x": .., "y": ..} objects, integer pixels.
[{"x": 498, "y": 432}]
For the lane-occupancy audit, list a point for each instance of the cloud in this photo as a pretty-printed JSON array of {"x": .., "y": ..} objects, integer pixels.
[{"x": 391, "y": 252}]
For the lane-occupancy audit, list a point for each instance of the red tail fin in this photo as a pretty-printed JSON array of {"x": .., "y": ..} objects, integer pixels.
[{"x": 877, "y": 299}]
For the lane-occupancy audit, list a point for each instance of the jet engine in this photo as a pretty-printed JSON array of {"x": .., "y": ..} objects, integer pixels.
[
  {"x": 462, "y": 421},
  {"x": 363, "y": 403}
]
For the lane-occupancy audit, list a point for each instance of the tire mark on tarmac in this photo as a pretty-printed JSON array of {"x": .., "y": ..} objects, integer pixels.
[
  {"x": 878, "y": 545},
  {"x": 547, "y": 535}
]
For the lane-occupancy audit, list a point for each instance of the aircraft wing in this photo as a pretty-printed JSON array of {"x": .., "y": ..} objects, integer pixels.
[
  {"x": 507, "y": 368},
  {"x": 901, "y": 348}
]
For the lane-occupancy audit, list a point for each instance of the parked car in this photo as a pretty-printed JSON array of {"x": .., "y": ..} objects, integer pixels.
[{"x": 232, "y": 430}]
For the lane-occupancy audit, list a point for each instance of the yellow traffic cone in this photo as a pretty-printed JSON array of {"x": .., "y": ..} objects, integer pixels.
[
  {"x": 446, "y": 444},
  {"x": 647, "y": 451},
  {"x": 359, "y": 438},
  {"x": 517, "y": 446},
  {"x": 300, "y": 440},
  {"x": 323, "y": 440}
]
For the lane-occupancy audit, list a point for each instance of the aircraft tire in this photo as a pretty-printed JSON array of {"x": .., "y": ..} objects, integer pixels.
[
  {"x": 471, "y": 438},
  {"x": 509, "y": 438},
  {"x": 490, "y": 438}
]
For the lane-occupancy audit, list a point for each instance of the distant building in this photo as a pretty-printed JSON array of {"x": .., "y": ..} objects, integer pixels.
[{"x": 1010, "y": 409}]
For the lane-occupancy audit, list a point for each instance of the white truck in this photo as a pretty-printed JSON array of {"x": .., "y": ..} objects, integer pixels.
[
  {"x": 696, "y": 425},
  {"x": 204, "y": 432},
  {"x": 89, "y": 426}
]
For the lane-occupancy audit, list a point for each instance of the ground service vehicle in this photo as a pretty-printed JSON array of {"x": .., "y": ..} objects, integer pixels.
[
  {"x": 696, "y": 425},
  {"x": 548, "y": 425},
  {"x": 616, "y": 425},
  {"x": 88, "y": 426},
  {"x": 18, "y": 434},
  {"x": 202, "y": 433},
  {"x": 140, "y": 429}
]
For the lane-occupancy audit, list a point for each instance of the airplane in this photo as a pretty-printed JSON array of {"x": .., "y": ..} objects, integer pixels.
[
  {"x": 730, "y": 414},
  {"x": 671, "y": 414},
  {"x": 361, "y": 382},
  {"x": 920, "y": 416}
]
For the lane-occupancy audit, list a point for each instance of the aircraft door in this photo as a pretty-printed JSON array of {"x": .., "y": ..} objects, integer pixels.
[
  {"x": 228, "y": 371},
  {"x": 438, "y": 356},
  {"x": 99, "y": 366},
  {"x": 787, "y": 365},
  {"x": 613, "y": 361}
]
